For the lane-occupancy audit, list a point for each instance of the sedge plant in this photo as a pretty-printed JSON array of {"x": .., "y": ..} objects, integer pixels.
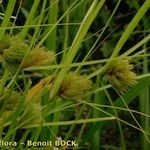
[{"x": 51, "y": 86}]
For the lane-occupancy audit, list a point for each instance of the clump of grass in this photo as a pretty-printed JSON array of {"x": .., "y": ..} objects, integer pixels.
[{"x": 36, "y": 102}]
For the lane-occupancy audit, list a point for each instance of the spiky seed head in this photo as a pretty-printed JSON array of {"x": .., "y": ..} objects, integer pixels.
[
  {"x": 75, "y": 86},
  {"x": 38, "y": 57},
  {"x": 120, "y": 75},
  {"x": 12, "y": 51}
]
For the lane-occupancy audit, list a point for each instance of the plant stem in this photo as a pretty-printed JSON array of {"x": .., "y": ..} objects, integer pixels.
[
  {"x": 29, "y": 19},
  {"x": 52, "y": 19},
  {"x": 98, "y": 99},
  {"x": 87, "y": 21},
  {"x": 39, "y": 22},
  {"x": 8, "y": 13},
  {"x": 4, "y": 80}
]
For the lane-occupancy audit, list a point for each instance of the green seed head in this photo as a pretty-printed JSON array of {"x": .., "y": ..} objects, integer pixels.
[
  {"x": 120, "y": 75},
  {"x": 75, "y": 86},
  {"x": 12, "y": 51},
  {"x": 38, "y": 57}
]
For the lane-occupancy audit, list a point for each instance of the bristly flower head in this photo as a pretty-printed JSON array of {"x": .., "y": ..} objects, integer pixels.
[
  {"x": 38, "y": 57},
  {"x": 12, "y": 51},
  {"x": 75, "y": 86},
  {"x": 120, "y": 74}
]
